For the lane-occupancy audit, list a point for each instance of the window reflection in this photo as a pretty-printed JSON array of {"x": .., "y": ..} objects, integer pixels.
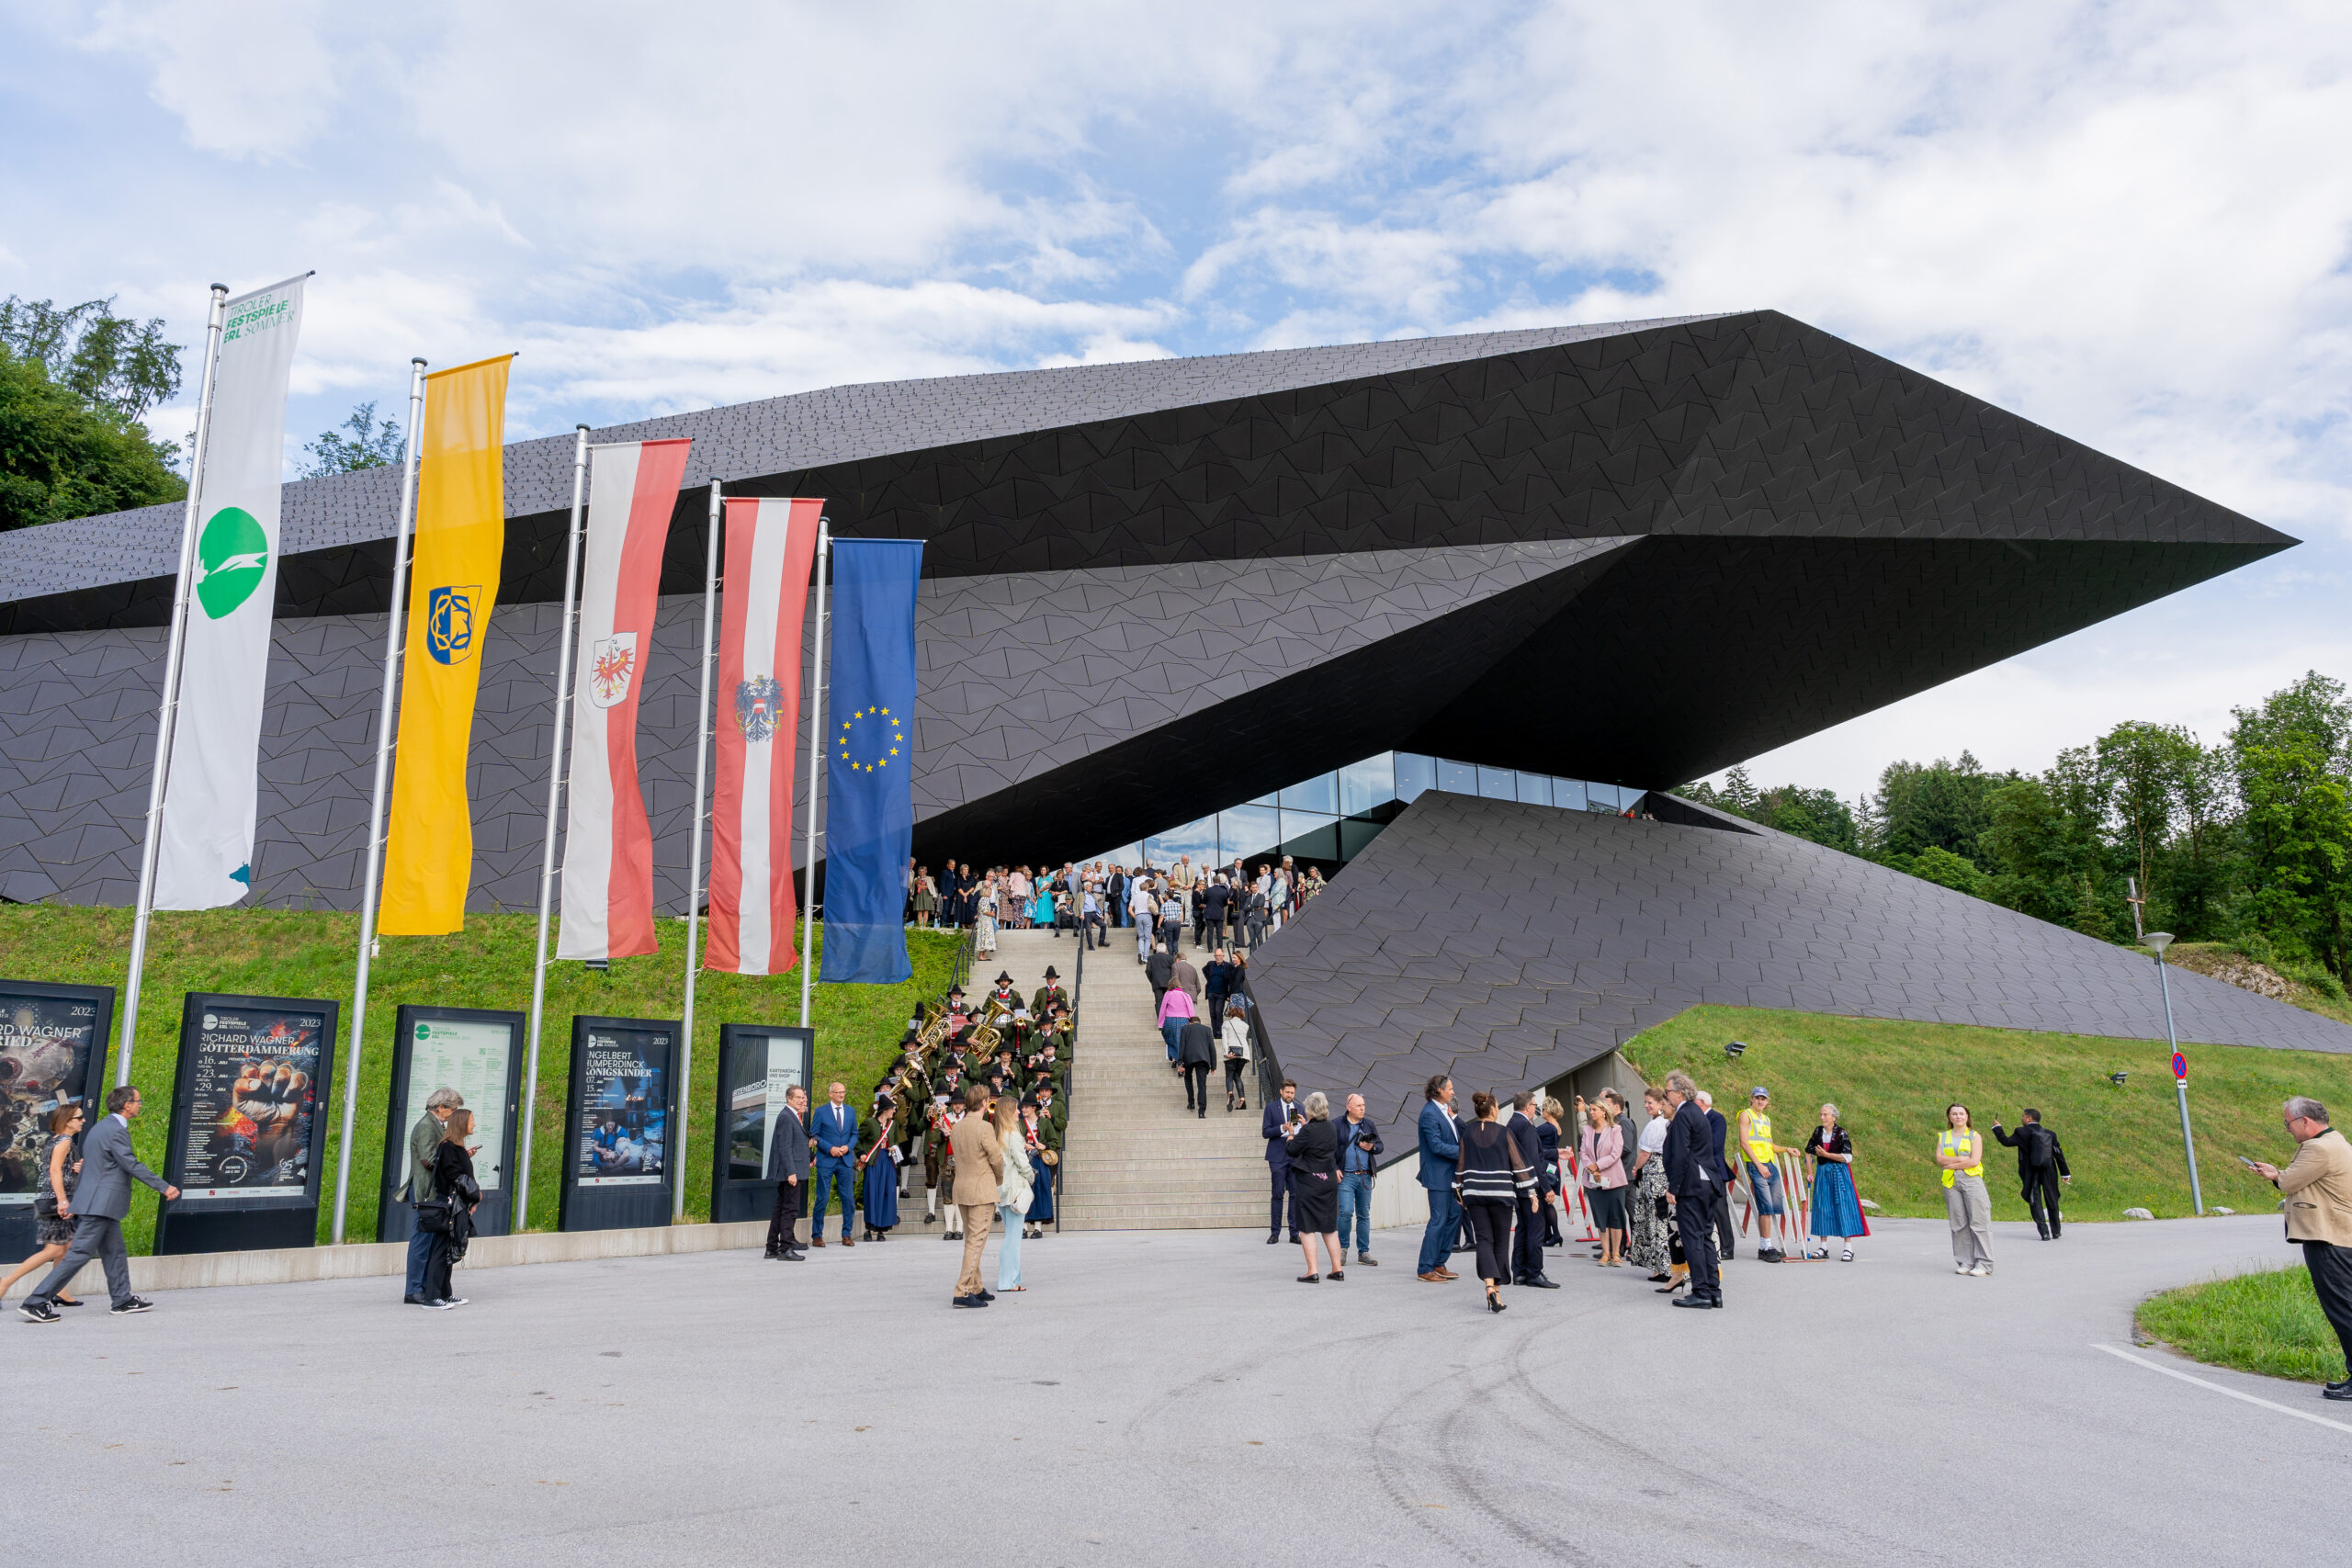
[
  {"x": 1318, "y": 793},
  {"x": 1331, "y": 819}
]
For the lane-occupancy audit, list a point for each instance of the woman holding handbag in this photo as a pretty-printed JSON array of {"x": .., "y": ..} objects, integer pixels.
[{"x": 450, "y": 1215}]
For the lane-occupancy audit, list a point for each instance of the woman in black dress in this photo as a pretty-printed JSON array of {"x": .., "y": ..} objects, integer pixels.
[
  {"x": 1492, "y": 1181},
  {"x": 53, "y": 1217},
  {"x": 1314, "y": 1185},
  {"x": 453, "y": 1178}
]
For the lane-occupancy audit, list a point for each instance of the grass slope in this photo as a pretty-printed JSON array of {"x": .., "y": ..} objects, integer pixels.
[
  {"x": 313, "y": 956},
  {"x": 1892, "y": 1080},
  {"x": 2267, "y": 1323}
]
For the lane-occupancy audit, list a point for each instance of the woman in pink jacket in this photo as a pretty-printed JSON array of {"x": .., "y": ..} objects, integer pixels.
[{"x": 1602, "y": 1145}]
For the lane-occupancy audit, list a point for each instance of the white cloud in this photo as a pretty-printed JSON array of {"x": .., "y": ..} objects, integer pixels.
[{"x": 253, "y": 81}]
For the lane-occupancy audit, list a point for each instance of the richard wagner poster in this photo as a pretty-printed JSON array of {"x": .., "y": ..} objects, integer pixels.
[
  {"x": 48, "y": 1045},
  {"x": 253, "y": 1093},
  {"x": 624, "y": 1134}
]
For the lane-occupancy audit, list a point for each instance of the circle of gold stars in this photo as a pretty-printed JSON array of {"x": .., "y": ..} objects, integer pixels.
[{"x": 898, "y": 738}]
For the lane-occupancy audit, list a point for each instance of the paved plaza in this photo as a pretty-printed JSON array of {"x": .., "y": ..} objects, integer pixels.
[{"x": 1172, "y": 1397}]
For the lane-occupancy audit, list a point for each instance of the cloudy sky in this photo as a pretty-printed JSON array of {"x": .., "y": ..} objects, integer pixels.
[{"x": 2128, "y": 222}]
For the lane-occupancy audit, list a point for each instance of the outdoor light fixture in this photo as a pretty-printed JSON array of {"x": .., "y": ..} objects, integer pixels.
[
  {"x": 1735, "y": 1048},
  {"x": 2116, "y": 1078}
]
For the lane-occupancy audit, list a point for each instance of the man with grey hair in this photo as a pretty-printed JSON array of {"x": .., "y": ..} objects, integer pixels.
[
  {"x": 424, "y": 1144},
  {"x": 1693, "y": 1184},
  {"x": 2318, "y": 1188}
]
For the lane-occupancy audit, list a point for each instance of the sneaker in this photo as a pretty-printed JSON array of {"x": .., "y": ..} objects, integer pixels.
[
  {"x": 1364, "y": 1260},
  {"x": 1979, "y": 1270},
  {"x": 1960, "y": 1268},
  {"x": 40, "y": 1312},
  {"x": 453, "y": 1301},
  {"x": 131, "y": 1305},
  {"x": 440, "y": 1306}
]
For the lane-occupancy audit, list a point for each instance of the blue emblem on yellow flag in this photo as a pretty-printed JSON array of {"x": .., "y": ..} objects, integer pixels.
[
  {"x": 869, "y": 765},
  {"x": 449, "y": 623}
]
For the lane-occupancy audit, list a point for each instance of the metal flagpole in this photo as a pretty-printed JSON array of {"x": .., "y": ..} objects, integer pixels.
[
  {"x": 157, "y": 776},
  {"x": 392, "y": 647},
  {"x": 693, "y": 876},
  {"x": 555, "y": 797},
  {"x": 816, "y": 737}
]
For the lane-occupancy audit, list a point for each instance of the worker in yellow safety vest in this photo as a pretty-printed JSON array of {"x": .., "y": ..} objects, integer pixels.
[
  {"x": 1761, "y": 1156},
  {"x": 1959, "y": 1155}
]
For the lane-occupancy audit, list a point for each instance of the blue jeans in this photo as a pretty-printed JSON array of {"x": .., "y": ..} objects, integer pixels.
[
  {"x": 1008, "y": 1256},
  {"x": 1355, "y": 1199},
  {"x": 833, "y": 1174},
  {"x": 1445, "y": 1223},
  {"x": 1171, "y": 1032},
  {"x": 1764, "y": 1181},
  {"x": 420, "y": 1253}
]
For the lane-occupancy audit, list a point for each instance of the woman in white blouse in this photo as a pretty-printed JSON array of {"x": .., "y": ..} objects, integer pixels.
[
  {"x": 1648, "y": 1247},
  {"x": 1236, "y": 1054}
]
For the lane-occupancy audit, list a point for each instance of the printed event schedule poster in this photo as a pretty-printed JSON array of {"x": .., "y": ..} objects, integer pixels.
[
  {"x": 253, "y": 1093},
  {"x": 623, "y": 1138},
  {"x": 476, "y": 1058},
  {"x": 52, "y": 1052},
  {"x": 760, "y": 1068}
]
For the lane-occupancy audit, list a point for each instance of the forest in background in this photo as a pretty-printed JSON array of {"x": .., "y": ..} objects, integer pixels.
[{"x": 2248, "y": 842}]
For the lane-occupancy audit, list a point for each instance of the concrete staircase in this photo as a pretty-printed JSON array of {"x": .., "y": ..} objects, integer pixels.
[{"x": 1137, "y": 1158}]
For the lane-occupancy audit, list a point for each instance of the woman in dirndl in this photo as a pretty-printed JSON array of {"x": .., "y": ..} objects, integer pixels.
[
  {"x": 1647, "y": 1248},
  {"x": 1036, "y": 1136},
  {"x": 984, "y": 922},
  {"x": 1837, "y": 1212}
]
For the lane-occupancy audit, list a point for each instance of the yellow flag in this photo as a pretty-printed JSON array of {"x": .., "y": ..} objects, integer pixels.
[{"x": 461, "y": 531}]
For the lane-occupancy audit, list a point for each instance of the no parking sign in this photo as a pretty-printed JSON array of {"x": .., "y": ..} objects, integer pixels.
[{"x": 2180, "y": 1067}]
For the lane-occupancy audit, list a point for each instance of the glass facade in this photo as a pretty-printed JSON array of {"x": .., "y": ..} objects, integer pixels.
[{"x": 1331, "y": 817}]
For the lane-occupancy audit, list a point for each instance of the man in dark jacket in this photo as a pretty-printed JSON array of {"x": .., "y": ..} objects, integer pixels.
[
  {"x": 2041, "y": 1165},
  {"x": 1196, "y": 1054},
  {"x": 788, "y": 1168},
  {"x": 1160, "y": 970},
  {"x": 1720, "y": 1130},
  {"x": 1527, "y": 1236},
  {"x": 1282, "y": 1119},
  {"x": 1694, "y": 1175},
  {"x": 1440, "y": 1146}
]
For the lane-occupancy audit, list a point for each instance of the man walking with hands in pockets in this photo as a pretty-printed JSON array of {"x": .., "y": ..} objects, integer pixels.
[{"x": 101, "y": 1200}]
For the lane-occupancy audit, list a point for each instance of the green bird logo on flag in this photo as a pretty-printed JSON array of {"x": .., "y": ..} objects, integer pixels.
[{"x": 229, "y": 561}]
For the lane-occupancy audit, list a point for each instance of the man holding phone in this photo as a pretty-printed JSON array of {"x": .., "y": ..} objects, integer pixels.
[
  {"x": 2041, "y": 1165},
  {"x": 2318, "y": 1188},
  {"x": 1360, "y": 1151}
]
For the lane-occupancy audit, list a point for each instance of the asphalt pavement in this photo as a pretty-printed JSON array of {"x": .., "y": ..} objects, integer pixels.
[{"x": 1175, "y": 1397}]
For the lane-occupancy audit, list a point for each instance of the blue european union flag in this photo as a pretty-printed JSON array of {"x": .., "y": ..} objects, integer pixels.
[{"x": 869, "y": 759}]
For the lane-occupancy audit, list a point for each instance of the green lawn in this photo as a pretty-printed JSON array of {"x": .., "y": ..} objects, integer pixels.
[
  {"x": 1892, "y": 1080},
  {"x": 313, "y": 957},
  {"x": 2267, "y": 1323}
]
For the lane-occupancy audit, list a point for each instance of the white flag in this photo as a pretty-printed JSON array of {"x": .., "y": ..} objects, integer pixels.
[{"x": 205, "y": 859}]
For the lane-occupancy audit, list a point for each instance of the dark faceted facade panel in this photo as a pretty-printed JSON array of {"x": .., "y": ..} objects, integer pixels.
[
  {"x": 1634, "y": 552},
  {"x": 1509, "y": 945}
]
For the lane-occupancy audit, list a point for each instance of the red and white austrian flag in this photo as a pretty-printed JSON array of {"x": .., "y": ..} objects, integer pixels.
[
  {"x": 770, "y": 545},
  {"x": 607, "y": 843}
]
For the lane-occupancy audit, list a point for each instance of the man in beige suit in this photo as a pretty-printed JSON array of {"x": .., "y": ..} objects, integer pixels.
[
  {"x": 980, "y": 1170},
  {"x": 2318, "y": 1188}
]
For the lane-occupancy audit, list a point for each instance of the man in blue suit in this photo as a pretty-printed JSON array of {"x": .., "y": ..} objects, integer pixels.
[
  {"x": 1440, "y": 1146},
  {"x": 835, "y": 1129},
  {"x": 1281, "y": 1120}
]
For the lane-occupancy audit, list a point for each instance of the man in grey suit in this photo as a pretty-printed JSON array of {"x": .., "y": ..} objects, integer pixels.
[
  {"x": 100, "y": 1199},
  {"x": 788, "y": 1168},
  {"x": 423, "y": 1145}
]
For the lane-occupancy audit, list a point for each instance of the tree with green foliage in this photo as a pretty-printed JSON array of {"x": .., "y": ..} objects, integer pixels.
[
  {"x": 1939, "y": 866},
  {"x": 1815, "y": 813},
  {"x": 2039, "y": 850},
  {"x": 74, "y": 383},
  {"x": 2290, "y": 757},
  {"x": 1945, "y": 804},
  {"x": 371, "y": 444}
]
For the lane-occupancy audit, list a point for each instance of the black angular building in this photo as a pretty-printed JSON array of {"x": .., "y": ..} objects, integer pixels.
[{"x": 1255, "y": 600}]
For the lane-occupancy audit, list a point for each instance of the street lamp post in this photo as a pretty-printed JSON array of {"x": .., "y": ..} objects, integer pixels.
[{"x": 2159, "y": 941}]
